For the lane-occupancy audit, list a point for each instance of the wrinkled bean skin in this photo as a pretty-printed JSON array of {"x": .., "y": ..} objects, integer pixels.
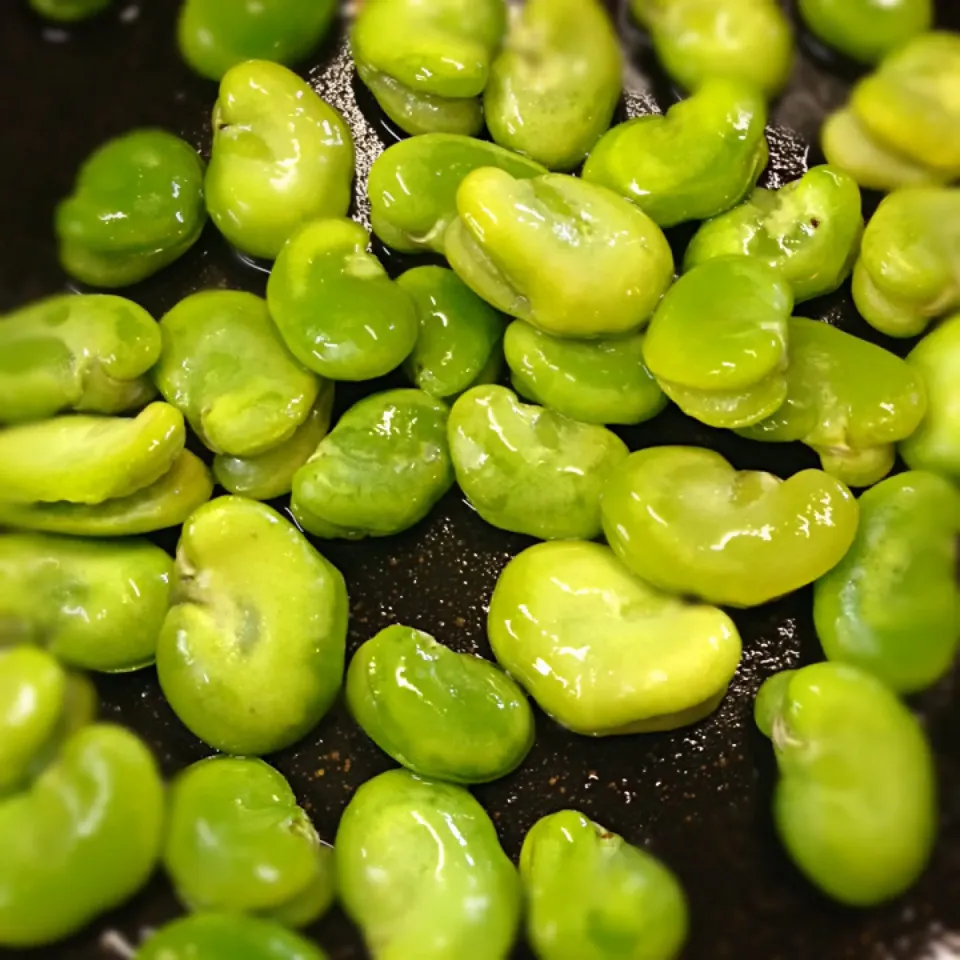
[
  {"x": 421, "y": 702},
  {"x": 41, "y": 704},
  {"x": 281, "y": 157},
  {"x": 413, "y": 186},
  {"x": 87, "y": 459},
  {"x": 421, "y": 872},
  {"x": 458, "y": 345},
  {"x": 572, "y": 258},
  {"x": 269, "y": 475},
  {"x": 695, "y": 40},
  {"x": 137, "y": 205},
  {"x": 237, "y": 842},
  {"x": 593, "y": 381},
  {"x": 717, "y": 343},
  {"x": 603, "y": 652},
  {"x": 427, "y": 63},
  {"x": 94, "y": 605},
  {"x": 527, "y": 469},
  {"x": 251, "y": 654},
  {"x": 166, "y": 503},
  {"x": 907, "y": 274},
  {"x": 736, "y": 539},
  {"x": 848, "y": 399},
  {"x": 935, "y": 444},
  {"x": 69, "y": 11},
  {"x": 892, "y": 605},
  {"x": 88, "y": 352},
  {"x": 848, "y": 146},
  {"x": 592, "y": 896},
  {"x": 82, "y": 839},
  {"x": 213, "y": 936},
  {"x": 225, "y": 368},
  {"x": 809, "y": 230},
  {"x": 216, "y": 35},
  {"x": 337, "y": 310},
  {"x": 554, "y": 87},
  {"x": 856, "y": 802},
  {"x": 909, "y": 103},
  {"x": 719, "y": 133},
  {"x": 867, "y": 30},
  {"x": 379, "y": 471}
]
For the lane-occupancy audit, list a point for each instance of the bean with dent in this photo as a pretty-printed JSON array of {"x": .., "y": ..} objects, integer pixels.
[
  {"x": 855, "y": 805},
  {"x": 592, "y": 896},
  {"x": 527, "y": 469},
  {"x": 281, "y": 156},
  {"x": 421, "y": 872},
  {"x": 237, "y": 842},
  {"x": 89, "y": 353},
  {"x": 570, "y": 257},
  {"x": 251, "y": 653},
  {"x": 892, "y": 605},
  {"x": 602, "y": 651},
  {"x": 683, "y": 519},
  {"x": 719, "y": 134},
  {"x": 137, "y": 205}
]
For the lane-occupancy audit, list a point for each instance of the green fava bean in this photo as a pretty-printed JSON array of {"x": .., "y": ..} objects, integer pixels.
[
  {"x": 459, "y": 341},
  {"x": 213, "y": 936},
  {"x": 215, "y": 35},
  {"x": 892, "y": 605},
  {"x": 224, "y": 366},
  {"x": 336, "y": 308},
  {"x": 88, "y": 353},
  {"x": 281, "y": 157},
  {"x": 910, "y": 102},
  {"x": 237, "y": 842},
  {"x": 855, "y": 805},
  {"x": 683, "y": 519},
  {"x": 428, "y": 63},
  {"x": 420, "y": 702},
  {"x": 848, "y": 399},
  {"x": 592, "y": 896},
  {"x": 379, "y": 471},
  {"x": 251, "y": 654},
  {"x": 570, "y": 257},
  {"x": 593, "y": 381},
  {"x": 93, "y": 604},
  {"x": 719, "y": 133},
  {"x": 849, "y": 147},
  {"x": 166, "y": 503},
  {"x": 41, "y": 704},
  {"x": 555, "y": 86},
  {"x": 69, "y": 11},
  {"x": 269, "y": 475},
  {"x": 867, "y": 30},
  {"x": 137, "y": 206},
  {"x": 87, "y": 459},
  {"x": 603, "y": 652},
  {"x": 718, "y": 341},
  {"x": 421, "y": 872},
  {"x": 82, "y": 839},
  {"x": 413, "y": 186},
  {"x": 935, "y": 445},
  {"x": 909, "y": 268},
  {"x": 527, "y": 469},
  {"x": 808, "y": 230},
  {"x": 695, "y": 40}
]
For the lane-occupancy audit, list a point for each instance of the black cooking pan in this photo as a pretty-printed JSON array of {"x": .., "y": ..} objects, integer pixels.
[{"x": 700, "y": 798}]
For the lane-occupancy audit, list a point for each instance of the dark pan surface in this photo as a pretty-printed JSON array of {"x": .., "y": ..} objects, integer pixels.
[{"x": 698, "y": 797}]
